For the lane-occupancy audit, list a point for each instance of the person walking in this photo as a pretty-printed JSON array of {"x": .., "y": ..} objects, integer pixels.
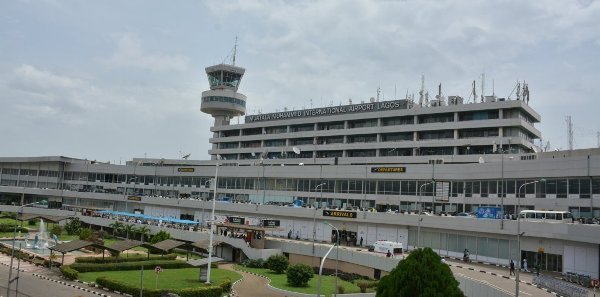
[
  {"x": 361, "y": 241},
  {"x": 512, "y": 267},
  {"x": 525, "y": 265},
  {"x": 389, "y": 254}
]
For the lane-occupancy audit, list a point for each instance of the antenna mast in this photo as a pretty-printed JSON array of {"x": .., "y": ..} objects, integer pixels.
[
  {"x": 598, "y": 138},
  {"x": 570, "y": 132},
  {"x": 235, "y": 50},
  {"x": 422, "y": 91},
  {"x": 482, "y": 87}
]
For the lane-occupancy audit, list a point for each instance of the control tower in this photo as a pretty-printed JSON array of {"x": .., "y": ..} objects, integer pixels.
[{"x": 223, "y": 101}]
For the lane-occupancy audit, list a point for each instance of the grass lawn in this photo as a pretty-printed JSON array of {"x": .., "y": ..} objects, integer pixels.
[
  {"x": 10, "y": 221},
  {"x": 167, "y": 279},
  {"x": 327, "y": 285}
]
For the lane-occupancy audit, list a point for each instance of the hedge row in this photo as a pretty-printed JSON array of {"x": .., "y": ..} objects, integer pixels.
[
  {"x": 116, "y": 285},
  {"x": 91, "y": 267},
  {"x": 11, "y": 228},
  {"x": 130, "y": 258},
  {"x": 69, "y": 272},
  {"x": 37, "y": 260}
]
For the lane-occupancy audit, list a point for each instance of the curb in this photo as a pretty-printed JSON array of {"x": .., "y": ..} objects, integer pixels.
[{"x": 71, "y": 285}]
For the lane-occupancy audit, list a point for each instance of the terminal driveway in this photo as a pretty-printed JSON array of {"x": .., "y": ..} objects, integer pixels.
[{"x": 30, "y": 285}]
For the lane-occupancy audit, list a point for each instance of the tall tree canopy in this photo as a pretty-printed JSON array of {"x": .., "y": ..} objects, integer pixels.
[{"x": 421, "y": 274}]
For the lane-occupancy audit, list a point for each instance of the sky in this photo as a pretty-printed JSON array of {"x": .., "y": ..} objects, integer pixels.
[{"x": 113, "y": 80}]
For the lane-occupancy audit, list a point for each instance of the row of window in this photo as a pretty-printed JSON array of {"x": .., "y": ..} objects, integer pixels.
[
  {"x": 392, "y": 121},
  {"x": 224, "y": 99}
]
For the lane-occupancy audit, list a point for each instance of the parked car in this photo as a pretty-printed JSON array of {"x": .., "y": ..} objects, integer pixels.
[{"x": 464, "y": 215}]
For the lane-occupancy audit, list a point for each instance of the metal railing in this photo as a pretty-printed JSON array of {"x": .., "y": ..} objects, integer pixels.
[{"x": 562, "y": 287}]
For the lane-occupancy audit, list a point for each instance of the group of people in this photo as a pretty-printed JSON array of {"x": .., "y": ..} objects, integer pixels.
[{"x": 525, "y": 267}]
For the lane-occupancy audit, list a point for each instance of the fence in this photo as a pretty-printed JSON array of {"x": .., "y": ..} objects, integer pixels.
[{"x": 560, "y": 286}]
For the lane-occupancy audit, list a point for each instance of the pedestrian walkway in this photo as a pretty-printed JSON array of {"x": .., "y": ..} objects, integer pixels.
[{"x": 251, "y": 285}]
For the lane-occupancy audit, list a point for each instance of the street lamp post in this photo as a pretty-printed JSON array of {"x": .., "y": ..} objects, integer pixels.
[
  {"x": 12, "y": 255},
  {"x": 321, "y": 270},
  {"x": 519, "y": 234},
  {"x": 337, "y": 254},
  {"x": 212, "y": 224},
  {"x": 420, "y": 211},
  {"x": 315, "y": 218}
]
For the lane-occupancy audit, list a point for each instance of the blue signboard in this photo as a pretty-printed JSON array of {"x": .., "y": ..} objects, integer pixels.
[{"x": 489, "y": 212}]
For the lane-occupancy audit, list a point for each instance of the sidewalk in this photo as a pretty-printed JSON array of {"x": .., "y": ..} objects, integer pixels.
[{"x": 250, "y": 285}]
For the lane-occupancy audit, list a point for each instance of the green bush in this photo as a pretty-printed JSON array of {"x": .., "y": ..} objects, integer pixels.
[
  {"x": 226, "y": 285},
  {"x": 31, "y": 222},
  {"x": 90, "y": 267},
  {"x": 116, "y": 285},
  {"x": 73, "y": 227},
  {"x": 364, "y": 285},
  {"x": 254, "y": 263},
  {"x": 277, "y": 263},
  {"x": 85, "y": 234},
  {"x": 56, "y": 230},
  {"x": 121, "y": 259},
  {"x": 340, "y": 289},
  {"x": 69, "y": 272},
  {"x": 160, "y": 236},
  {"x": 11, "y": 228},
  {"x": 298, "y": 275}
]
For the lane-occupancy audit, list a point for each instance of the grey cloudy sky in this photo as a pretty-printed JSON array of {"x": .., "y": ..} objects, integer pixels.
[{"x": 112, "y": 80}]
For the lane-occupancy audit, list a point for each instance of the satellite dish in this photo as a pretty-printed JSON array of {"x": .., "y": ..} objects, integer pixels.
[
  {"x": 186, "y": 156},
  {"x": 296, "y": 150}
]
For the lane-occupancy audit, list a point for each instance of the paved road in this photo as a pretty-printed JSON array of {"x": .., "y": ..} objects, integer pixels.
[
  {"x": 33, "y": 286},
  {"x": 251, "y": 285}
]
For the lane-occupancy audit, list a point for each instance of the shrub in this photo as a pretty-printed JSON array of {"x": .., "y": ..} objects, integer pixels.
[
  {"x": 116, "y": 285},
  {"x": 298, "y": 275},
  {"x": 73, "y": 226},
  {"x": 85, "y": 234},
  {"x": 56, "y": 230},
  {"x": 277, "y": 263},
  {"x": 226, "y": 285},
  {"x": 11, "y": 228},
  {"x": 160, "y": 236},
  {"x": 90, "y": 267},
  {"x": 69, "y": 272},
  {"x": 31, "y": 222},
  {"x": 130, "y": 258},
  {"x": 364, "y": 285},
  {"x": 254, "y": 263},
  {"x": 340, "y": 289}
]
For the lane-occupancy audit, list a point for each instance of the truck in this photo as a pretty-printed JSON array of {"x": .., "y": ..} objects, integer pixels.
[{"x": 383, "y": 246}]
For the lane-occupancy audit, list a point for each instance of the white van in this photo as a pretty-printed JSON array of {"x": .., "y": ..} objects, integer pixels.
[{"x": 383, "y": 246}]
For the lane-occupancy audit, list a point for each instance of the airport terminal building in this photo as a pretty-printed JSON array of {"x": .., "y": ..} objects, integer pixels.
[{"x": 367, "y": 168}]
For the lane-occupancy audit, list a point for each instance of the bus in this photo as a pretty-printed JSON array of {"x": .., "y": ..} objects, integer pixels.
[{"x": 549, "y": 216}]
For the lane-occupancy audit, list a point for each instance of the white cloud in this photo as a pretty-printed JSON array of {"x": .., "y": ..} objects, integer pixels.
[{"x": 131, "y": 54}]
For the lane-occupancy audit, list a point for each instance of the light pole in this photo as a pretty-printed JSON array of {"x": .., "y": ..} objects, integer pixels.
[
  {"x": 337, "y": 255},
  {"x": 315, "y": 218},
  {"x": 203, "y": 205},
  {"x": 420, "y": 211},
  {"x": 519, "y": 234},
  {"x": 212, "y": 223},
  {"x": 12, "y": 255},
  {"x": 321, "y": 270}
]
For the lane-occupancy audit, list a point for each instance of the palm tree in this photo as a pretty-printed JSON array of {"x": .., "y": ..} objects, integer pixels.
[
  {"x": 130, "y": 228},
  {"x": 143, "y": 231},
  {"x": 116, "y": 227}
]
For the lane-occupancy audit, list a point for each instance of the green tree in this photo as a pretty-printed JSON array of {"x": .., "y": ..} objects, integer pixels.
[
  {"x": 73, "y": 227},
  {"x": 277, "y": 263},
  {"x": 160, "y": 236},
  {"x": 143, "y": 231},
  {"x": 116, "y": 227},
  {"x": 85, "y": 233},
  {"x": 130, "y": 228},
  {"x": 421, "y": 274},
  {"x": 298, "y": 275}
]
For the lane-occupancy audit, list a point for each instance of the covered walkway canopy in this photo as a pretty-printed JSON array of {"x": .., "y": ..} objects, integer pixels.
[
  {"x": 47, "y": 218},
  {"x": 168, "y": 244},
  {"x": 147, "y": 217},
  {"x": 77, "y": 245},
  {"x": 124, "y": 245}
]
